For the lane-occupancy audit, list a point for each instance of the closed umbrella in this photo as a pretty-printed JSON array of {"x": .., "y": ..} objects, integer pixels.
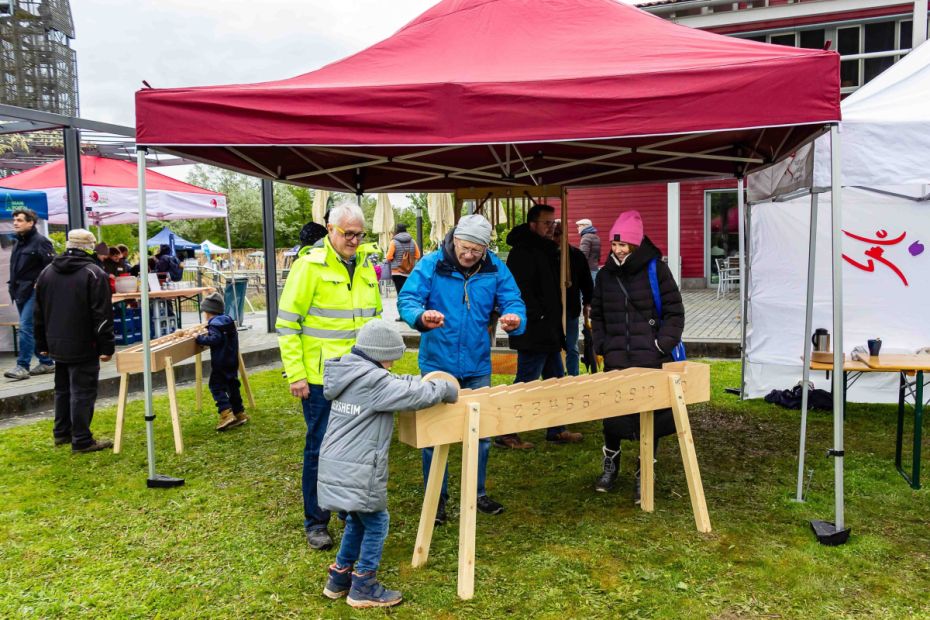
[
  {"x": 320, "y": 198},
  {"x": 383, "y": 221},
  {"x": 441, "y": 216}
]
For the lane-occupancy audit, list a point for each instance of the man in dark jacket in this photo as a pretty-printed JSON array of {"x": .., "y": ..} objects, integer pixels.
[
  {"x": 74, "y": 324},
  {"x": 534, "y": 263},
  {"x": 577, "y": 296},
  {"x": 31, "y": 253}
]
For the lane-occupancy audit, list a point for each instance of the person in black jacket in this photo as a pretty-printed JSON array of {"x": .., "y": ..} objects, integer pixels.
[
  {"x": 577, "y": 297},
  {"x": 534, "y": 263},
  {"x": 223, "y": 339},
  {"x": 31, "y": 253},
  {"x": 628, "y": 331},
  {"x": 74, "y": 325}
]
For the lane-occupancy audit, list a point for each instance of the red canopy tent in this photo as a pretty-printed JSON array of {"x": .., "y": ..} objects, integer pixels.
[
  {"x": 511, "y": 92},
  {"x": 111, "y": 195}
]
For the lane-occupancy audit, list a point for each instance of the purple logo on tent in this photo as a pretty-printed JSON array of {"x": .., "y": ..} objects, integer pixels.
[{"x": 916, "y": 248}]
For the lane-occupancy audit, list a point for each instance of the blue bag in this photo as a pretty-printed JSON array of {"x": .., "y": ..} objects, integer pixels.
[{"x": 678, "y": 352}]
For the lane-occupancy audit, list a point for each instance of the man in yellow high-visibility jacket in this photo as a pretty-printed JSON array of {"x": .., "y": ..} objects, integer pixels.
[{"x": 330, "y": 292}]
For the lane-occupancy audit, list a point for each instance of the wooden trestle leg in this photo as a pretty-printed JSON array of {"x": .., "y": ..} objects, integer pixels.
[
  {"x": 437, "y": 470},
  {"x": 688, "y": 455},
  {"x": 469, "y": 511}
]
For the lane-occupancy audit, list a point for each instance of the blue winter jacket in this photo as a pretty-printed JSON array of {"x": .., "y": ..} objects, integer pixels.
[
  {"x": 461, "y": 346},
  {"x": 223, "y": 339}
]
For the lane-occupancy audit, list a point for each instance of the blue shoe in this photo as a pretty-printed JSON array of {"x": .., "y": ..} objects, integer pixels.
[
  {"x": 367, "y": 592},
  {"x": 339, "y": 582}
]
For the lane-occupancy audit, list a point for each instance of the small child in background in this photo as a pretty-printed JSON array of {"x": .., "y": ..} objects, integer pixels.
[
  {"x": 354, "y": 456},
  {"x": 223, "y": 340}
]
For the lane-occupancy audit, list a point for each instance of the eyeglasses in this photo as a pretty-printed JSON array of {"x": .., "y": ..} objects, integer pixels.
[
  {"x": 470, "y": 251},
  {"x": 351, "y": 235}
]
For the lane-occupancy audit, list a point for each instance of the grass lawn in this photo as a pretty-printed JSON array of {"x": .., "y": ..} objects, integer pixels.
[{"x": 81, "y": 535}]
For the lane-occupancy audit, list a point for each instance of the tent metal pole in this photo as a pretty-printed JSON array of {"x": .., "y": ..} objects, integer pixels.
[
  {"x": 155, "y": 480},
  {"x": 839, "y": 358},
  {"x": 674, "y": 230},
  {"x": 75, "y": 189},
  {"x": 271, "y": 262},
  {"x": 919, "y": 29},
  {"x": 808, "y": 326},
  {"x": 232, "y": 272},
  {"x": 420, "y": 227},
  {"x": 741, "y": 208}
]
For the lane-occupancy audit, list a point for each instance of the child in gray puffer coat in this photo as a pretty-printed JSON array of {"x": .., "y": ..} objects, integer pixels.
[{"x": 354, "y": 456}]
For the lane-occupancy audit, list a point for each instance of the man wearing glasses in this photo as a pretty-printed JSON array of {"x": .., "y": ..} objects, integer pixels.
[
  {"x": 330, "y": 292},
  {"x": 450, "y": 297},
  {"x": 534, "y": 262}
]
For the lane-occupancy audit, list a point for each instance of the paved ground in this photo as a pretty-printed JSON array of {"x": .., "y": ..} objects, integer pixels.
[{"x": 710, "y": 322}]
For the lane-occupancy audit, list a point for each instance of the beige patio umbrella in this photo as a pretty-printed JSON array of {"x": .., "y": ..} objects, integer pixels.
[
  {"x": 383, "y": 221},
  {"x": 320, "y": 198},
  {"x": 441, "y": 216}
]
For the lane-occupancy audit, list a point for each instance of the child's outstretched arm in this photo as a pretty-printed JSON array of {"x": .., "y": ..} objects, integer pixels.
[
  {"x": 406, "y": 392},
  {"x": 213, "y": 337}
]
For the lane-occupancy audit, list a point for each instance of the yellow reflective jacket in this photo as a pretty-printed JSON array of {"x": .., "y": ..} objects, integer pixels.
[{"x": 320, "y": 311}]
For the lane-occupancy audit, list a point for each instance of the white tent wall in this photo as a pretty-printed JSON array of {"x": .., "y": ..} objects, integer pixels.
[{"x": 876, "y": 303}]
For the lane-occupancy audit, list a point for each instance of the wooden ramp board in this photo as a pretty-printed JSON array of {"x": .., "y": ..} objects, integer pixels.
[{"x": 543, "y": 404}]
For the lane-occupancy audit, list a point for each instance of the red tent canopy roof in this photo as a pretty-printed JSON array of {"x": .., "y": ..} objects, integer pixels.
[
  {"x": 545, "y": 73},
  {"x": 98, "y": 172}
]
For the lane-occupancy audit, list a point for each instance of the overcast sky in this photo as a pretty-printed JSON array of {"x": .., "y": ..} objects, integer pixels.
[{"x": 168, "y": 43}]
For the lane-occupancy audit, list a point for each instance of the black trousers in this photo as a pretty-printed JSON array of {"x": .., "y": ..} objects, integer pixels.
[
  {"x": 399, "y": 282},
  {"x": 627, "y": 427},
  {"x": 75, "y": 395},
  {"x": 224, "y": 386}
]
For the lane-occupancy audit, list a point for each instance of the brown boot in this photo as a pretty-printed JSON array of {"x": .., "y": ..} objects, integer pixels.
[
  {"x": 241, "y": 419},
  {"x": 566, "y": 437},
  {"x": 513, "y": 442},
  {"x": 227, "y": 419}
]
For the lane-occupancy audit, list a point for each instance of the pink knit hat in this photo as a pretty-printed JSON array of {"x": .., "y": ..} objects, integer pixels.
[{"x": 628, "y": 228}]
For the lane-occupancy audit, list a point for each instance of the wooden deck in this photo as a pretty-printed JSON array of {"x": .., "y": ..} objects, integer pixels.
[{"x": 710, "y": 319}]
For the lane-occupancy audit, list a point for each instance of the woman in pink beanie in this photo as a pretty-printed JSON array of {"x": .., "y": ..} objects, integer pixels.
[{"x": 628, "y": 330}]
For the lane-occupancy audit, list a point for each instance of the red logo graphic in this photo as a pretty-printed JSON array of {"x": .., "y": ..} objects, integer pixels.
[
  {"x": 94, "y": 196},
  {"x": 213, "y": 202},
  {"x": 877, "y": 252}
]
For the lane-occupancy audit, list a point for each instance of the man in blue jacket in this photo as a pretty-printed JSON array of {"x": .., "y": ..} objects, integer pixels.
[{"x": 451, "y": 296}]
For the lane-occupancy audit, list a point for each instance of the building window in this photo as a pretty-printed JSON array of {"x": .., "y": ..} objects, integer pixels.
[{"x": 722, "y": 225}]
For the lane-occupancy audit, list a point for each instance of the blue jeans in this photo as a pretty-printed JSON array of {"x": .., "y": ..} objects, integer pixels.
[
  {"x": 363, "y": 540},
  {"x": 316, "y": 415},
  {"x": 484, "y": 445},
  {"x": 571, "y": 341},
  {"x": 533, "y": 364},
  {"x": 27, "y": 341}
]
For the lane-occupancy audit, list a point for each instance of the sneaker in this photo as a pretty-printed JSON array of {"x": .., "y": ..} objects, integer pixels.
[
  {"x": 241, "y": 419},
  {"x": 42, "y": 369},
  {"x": 319, "y": 539},
  {"x": 513, "y": 442},
  {"x": 19, "y": 373},
  {"x": 63, "y": 441},
  {"x": 441, "y": 516},
  {"x": 488, "y": 506},
  {"x": 367, "y": 592},
  {"x": 96, "y": 446},
  {"x": 565, "y": 437},
  {"x": 339, "y": 582},
  {"x": 611, "y": 468},
  {"x": 227, "y": 420}
]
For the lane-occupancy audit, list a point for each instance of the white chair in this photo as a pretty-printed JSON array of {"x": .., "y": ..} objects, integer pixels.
[{"x": 727, "y": 274}]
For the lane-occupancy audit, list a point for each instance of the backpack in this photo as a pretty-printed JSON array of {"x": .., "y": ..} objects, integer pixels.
[
  {"x": 678, "y": 352},
  {"x": 175, "y": 270},
  {"x": 407, "y": 261}
]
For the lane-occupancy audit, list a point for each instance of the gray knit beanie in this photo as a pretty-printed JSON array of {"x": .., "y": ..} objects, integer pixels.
[
  {"x": 380, "y": 341},
  {"x": 474, "y": 228},
  {"x": 80, "y": 239},
  {"x": 214, "y": 304}
]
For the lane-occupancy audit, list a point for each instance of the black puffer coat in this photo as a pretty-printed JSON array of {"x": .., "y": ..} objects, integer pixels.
[
  {"x": 534, "y": 263},
  {"x": 31, "y": 253},
  {"x": 622, "y": 330},
  {"x": 626, "y": 330}
]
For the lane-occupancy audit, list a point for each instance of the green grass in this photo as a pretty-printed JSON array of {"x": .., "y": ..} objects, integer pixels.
[{"x": 81, "y": 535}]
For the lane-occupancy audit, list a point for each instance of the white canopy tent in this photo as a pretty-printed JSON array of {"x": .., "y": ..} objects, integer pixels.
[
  {"x": 886, "y": 145},
  {"x": 206, "y": 244}
]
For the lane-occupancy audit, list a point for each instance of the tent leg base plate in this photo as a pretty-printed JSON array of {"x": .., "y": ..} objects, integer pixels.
[
  {"x": 161, "y": 481},
  {"x": 828, "y": 535}
]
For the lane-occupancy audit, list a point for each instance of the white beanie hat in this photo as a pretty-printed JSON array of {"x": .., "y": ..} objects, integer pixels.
[
  {"x": 474, "y": 228},
  {"x": 80, "y": 239}
]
